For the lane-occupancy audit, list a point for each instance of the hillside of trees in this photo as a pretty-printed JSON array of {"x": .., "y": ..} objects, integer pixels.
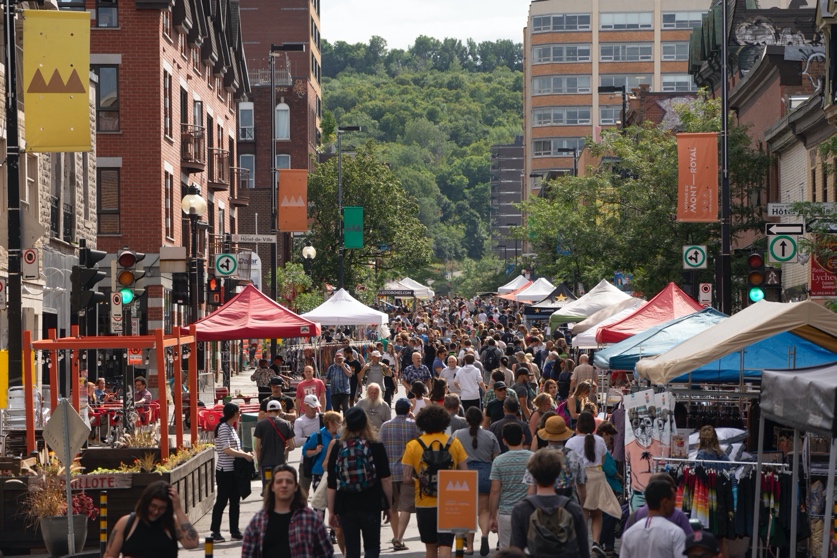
[{"x": 433, "y": 110}]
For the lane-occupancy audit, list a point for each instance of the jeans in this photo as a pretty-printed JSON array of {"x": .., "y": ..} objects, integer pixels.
[
  {"x": 226, "y": 490},
  {"x": 360, "y": 523},
  {"x": 608, "y": 537},
  {"x": 340, "y": 402}
]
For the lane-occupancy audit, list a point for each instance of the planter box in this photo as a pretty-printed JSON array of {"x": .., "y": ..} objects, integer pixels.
[{"x": 194, "y": 481}]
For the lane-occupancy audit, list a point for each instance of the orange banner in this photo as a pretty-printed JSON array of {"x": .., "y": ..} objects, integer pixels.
[
  {"x": 697, "y": 177},
  {"x": 293, "y": 200}
]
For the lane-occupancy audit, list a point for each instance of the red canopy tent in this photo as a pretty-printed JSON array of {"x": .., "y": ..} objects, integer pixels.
[
  {"x": 669, "y": 304},
  {"x": 250, "y": 314}
]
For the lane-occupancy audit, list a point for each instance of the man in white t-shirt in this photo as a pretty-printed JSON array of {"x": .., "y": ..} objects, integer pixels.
[
  {"x": 468, "y": 380},
  {"x": 655, "y": 536}
]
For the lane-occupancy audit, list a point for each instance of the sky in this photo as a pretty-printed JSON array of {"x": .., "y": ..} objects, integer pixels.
[{"x": 401, "y": 21}]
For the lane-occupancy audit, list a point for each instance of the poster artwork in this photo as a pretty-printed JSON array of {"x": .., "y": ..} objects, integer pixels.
[{"x": 649, "y": 424}]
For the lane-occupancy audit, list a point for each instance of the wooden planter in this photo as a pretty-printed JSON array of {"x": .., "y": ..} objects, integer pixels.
[{"x": 194, "y": 481}]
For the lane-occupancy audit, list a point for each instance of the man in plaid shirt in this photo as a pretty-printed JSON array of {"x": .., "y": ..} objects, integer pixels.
[
  {"x": 395, "y": 434},
  {"x": 416, "y": 372},
  {"x": 286, "y": 526}
]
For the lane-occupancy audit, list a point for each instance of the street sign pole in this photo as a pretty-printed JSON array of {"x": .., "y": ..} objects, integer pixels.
[{"x": 71, "y": 535}]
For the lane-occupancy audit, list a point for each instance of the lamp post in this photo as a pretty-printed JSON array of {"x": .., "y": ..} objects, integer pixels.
[
  {"x": 308, "y": 254},
  {"x": 194, "y": 206},
  {"x": 340, "y": 250},
  {"x": 618, "y": 89}
]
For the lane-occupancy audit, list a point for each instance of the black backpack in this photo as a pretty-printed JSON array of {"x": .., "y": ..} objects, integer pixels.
[
  {"x": 491, "y": 360},
  {"x": 551, "y": 532},
  {"x": 433, "y": 461}
]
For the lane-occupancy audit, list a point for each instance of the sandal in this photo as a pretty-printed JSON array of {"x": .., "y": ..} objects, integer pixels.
[{"x": 398, "y": 545}]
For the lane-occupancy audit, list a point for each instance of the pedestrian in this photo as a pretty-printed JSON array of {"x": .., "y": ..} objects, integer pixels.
[
  {"x": 308, "y": 424},
  {"x": 375, "y": 371},
  {"x": 540, "y": 541},
  {"x": 525, "y": 394},
  {"x": 709, "y": 449},
  {"x": 506, "y": 489},
  {"x": 377, "y": 410},
  {"x": 599, "y": 497},
  {"x": 572, "y": 480},
  {"x": 286, "y": 527},
  {"x": 262, "y": 376},
  {"x": 655, "y": 536},
  {"x": 359, "y": 487},
  {"x": 337, "y": 378},
  {"x": 395, "y": 435},
  {"x": 317, "y": 444},
  {"x": 439, "y": 391},
  {"x": 469, "y": 381},
  {"x": 677, "y": 516},
  {"x": 453, "y": 406},
  {"x": 309, "y": 386},
  {"x": 352, "y": 359},
  {"x": 510, "y": 411},
  {"x": 155, "y": 526},
  {"x": 448, "y": 374},
  {"x": 543, "y": 403},
  {"x": 565, "y": 378},
  {"x": 482, "y": 447},
  {"x": 272, "y": 438},
  {"x": 228, "y": 447},
  {"x": 583, "y": 372},
  {"x": 702, "y": 544},
  {"x": 288, "y": 410},
  {"x": 416, "y": 372},
  {"x": 420, "y": 399},
  {"x": 576, "y": 402},
  {"x": 537, "y": 441},
  {"x": 614, "y": 480},
  {"x": 432, "y": 420}
]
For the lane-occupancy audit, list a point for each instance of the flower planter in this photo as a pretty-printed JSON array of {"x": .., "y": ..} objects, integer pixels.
[{"x": 54, "y": 532}]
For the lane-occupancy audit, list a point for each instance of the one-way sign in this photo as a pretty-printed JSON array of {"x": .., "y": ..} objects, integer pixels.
[{"x": 772, "y": 229}]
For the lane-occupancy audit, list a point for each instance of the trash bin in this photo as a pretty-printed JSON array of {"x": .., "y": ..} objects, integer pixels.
[{"x": 248, "y": 424}]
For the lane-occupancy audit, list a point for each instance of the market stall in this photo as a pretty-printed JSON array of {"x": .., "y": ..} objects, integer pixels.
[
  {"x": 535, "y": 292},
  {"x": 598, "y": 318},
  {"x": 587, "y": 339},
  {"x": 343, "y": 309},
  {"x": 601, "y": 296},
  {"x": 541, "y": 310},
  {"x": 514, "y": 285}
]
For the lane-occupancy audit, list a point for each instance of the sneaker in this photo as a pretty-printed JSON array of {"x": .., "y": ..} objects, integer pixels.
[
  {"x": 597, "y": 551},
  {"x": 236, "y": 536},
  {"x": 217, "y": 537},
  {"x": 332, "y": 537}
]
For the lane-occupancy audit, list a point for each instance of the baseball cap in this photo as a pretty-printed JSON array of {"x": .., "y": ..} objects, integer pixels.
[
  {"x": 355, "y": 419},
  {"x": 702, "y": 539},
  {"x": 402, "y": 406},
  {"x": 312, "y": 401},
  {"x": 277, "y": 381},
  {"x": 274, "y": 406},
  {"x": 499, "y": 385}
]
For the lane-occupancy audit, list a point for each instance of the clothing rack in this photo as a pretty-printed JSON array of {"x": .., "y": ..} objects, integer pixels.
[{"x": 702, "y": 461}]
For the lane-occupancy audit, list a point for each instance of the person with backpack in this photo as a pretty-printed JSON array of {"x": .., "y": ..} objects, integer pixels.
[
  {"x": 359, "y": 486},
  {"x": 423, "y": 458},
  {"x": 573, "y": 478},
  {"x": 546, "y": 524},
  {"x": 490, "y": 357}
]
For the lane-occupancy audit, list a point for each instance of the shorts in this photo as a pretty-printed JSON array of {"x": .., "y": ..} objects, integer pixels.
[
  {"x": 483, "y": 469},
  {"x": 426, "y": 519},
  {"x": 404, "y": 496}
]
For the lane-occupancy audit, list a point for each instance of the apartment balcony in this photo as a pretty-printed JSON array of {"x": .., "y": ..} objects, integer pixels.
[
  {"x": 240, "y": 194},
  {"x": 192, "y": 148},
  {"x": 218, "y": 172}
]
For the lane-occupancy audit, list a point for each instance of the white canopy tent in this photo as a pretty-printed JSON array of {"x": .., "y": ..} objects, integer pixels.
[
  {"x": 601, "y": 296},
  {"x": 587, "y": 339},
  {"x": 535, "y": 292},
  {"x": 407, "y": 287},
  {"x": 343, "y": 309},
  {"x": 597, "y": 318},
  {"x": 512, "y": 285}
]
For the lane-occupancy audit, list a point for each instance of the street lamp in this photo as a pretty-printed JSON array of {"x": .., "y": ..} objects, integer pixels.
[
  {"x": 340, "y": 250},
  {"x": 618, "y": 89},
  {"x": 308, "y": 253},
  {"x": 194, "y": 206}
]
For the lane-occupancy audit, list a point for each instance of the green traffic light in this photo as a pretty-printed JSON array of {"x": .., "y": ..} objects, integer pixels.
[
  {"x": 128, "y": 296},
  {"x": 756, "y": 294}
]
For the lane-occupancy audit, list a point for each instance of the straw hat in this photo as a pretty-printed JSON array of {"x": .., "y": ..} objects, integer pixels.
[{"x": 555, "y": 430}]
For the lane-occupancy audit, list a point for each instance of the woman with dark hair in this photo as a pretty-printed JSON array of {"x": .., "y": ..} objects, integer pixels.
[
  {"x": 286, "y": 526},
  {"x": 482, "y": 447},
  {"x": 537, "y": 441},
  {"x": 439, "y": 391},
  {"x": 599, "y": 496},
  {"x": 154, "y": 528},
  {"x": 228, "y": 447},
  {"x": 419, "y": 397}
]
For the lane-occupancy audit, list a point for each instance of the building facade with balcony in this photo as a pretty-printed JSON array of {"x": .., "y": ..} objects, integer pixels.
[
  {"x": 507, "y": 182},
  {"x": 170, "y": 76},
  {"x": 289, "y": 24},
  {"x": 571, "y": 50}
]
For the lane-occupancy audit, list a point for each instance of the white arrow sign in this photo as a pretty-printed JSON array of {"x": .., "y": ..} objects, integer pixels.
[{"x": 795, "y": 229}]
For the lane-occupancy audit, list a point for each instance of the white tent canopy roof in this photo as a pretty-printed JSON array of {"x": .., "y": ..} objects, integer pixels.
[
  {"x": 407, "y": 284},
  {"x": 535, "y": 292},
  {"x": 512, "y": 285},
  {"x": 593, "y": 321},
  {"x": 343, "y": 309},
  {"x": 601, "y": 296},
  {"x": 587, "y": 339},
  {"x": 764, "y": 319}
]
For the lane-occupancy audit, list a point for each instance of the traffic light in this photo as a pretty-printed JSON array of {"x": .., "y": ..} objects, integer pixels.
[
  {"x": 755, "y": 277},
  {"x": 230, "y": 286},
  {"x": 127, "y": 275},
  {"x": 180, "y": 288},
  {"x": 213, "y": 291},
  {"x": 83, "y": 279}
]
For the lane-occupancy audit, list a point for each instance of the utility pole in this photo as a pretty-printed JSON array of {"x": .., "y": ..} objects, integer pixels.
[{"x": 726, "y": 202}]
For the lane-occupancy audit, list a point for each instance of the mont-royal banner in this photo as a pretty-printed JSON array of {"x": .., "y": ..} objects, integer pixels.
[{"x": 697, "y": 177}]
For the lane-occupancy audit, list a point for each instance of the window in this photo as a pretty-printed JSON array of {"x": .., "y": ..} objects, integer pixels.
[
  {"x": 625, "y": 53},
  {"x": 678, "y": 82},
  {"x": 168, "y": 182},
  {"x": 197, "y": 113},
  {"x": 196, "y": 59},
  {"x": 561, "y": 84},
  {"x": 184, "y": 106},
  {"x": 550, "y": 147},
  {"x": 283, "y": 122},
  {"x": 610, "y": 115},
  {"x": 562, "y": 116},
  {"x": 166, "y": 14},
  {"x": 562, "y": 53},
  {"x": 682, "y": 20},
  {"x": 107, "y": 182},
  {"x": 106, "y": 13},
  {"x": 632, "y": 20},
  {"x": 283, "y": 161},
  {"x": 675, "y": 51},
  {"x": 630, "y": 82},
  {"x": 72, "y": 5},
  {"x": 248, "y": 162},
  {"x": 85, "y": 184},
  {"x": 30, "y": 192},
  {"x": 107, "y": 98},
  {"x": 167, "y": 105},
  {"x": 564, "y": 22}
]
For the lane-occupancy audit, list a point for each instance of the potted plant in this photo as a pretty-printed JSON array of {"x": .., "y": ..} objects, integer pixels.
[{"x": 46, "y": 506}]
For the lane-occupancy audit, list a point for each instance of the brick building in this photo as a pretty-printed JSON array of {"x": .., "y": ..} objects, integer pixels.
[{"x": 289, "y": 24}]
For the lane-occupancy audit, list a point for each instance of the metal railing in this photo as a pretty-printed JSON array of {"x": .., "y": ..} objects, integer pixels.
[
  {"x": 282, "y": 77},
  {"x": 193, "y": 147},
  {"x": 240, "y": 194},
  {"x": 218, "y": 174}
]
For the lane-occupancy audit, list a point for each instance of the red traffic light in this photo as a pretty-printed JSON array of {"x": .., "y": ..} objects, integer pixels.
[
  {"x": 755, "y": 260},
  {"x": 130, "y": 259}
]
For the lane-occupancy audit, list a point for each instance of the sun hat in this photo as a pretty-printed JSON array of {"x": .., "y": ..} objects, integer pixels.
[{"x": 555, "y": 430}]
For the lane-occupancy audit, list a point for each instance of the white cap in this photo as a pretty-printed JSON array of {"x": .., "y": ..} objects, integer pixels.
[
  {"x": 274, "y": 406},
  {"x": 312, "y": 401}
]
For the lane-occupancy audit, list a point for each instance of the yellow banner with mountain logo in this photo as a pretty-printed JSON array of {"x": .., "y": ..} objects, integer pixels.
[{"x": 56, "y": 79}]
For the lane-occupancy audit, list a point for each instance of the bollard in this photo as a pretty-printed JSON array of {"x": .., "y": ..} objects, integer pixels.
[
  {"x": 103, "y": 522},
  {"x": 208, "y": 547},
  {"x": 460, "y": 545}
]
